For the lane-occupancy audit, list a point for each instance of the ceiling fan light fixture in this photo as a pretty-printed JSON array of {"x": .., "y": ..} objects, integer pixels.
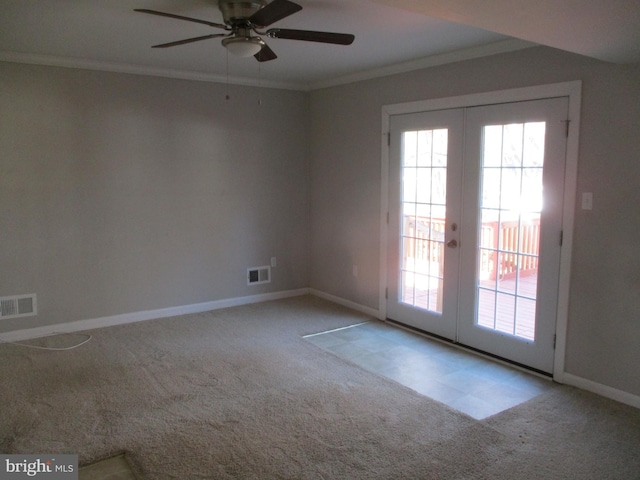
[{"x": 243, "y": 46}]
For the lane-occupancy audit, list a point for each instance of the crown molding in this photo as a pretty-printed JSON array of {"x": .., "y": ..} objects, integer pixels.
[
  {"x": 503, "y": 46},
  {"x": 86, "y": 64}
]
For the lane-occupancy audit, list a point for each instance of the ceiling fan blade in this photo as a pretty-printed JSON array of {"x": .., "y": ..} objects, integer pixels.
[
  {"x": 189, "y": 40},
  {"x": 180, "y": 17},
  {"x": 274, "y": 11},
  {"x": 311, "y": 36},
  {"x": 265, "y": 54}
]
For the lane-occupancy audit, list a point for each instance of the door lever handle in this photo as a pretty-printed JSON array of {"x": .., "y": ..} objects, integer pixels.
[{"x": 452, "y": 243}]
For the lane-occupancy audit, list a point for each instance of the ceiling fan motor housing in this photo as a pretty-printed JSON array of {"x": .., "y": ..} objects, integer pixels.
[{"x": 238, "y": 11}]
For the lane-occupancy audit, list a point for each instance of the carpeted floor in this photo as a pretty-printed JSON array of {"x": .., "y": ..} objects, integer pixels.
[{"x": 237, "y": 393}]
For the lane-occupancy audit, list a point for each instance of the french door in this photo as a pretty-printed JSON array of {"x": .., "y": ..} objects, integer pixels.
[{"x": 475, "y": 219}]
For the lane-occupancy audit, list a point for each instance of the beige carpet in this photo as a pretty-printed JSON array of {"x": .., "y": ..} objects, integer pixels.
[{"x": 237, "y": 393}]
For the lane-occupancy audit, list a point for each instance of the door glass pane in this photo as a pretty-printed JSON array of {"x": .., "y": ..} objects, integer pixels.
[
  {"x": 509, "y": 232},
  {"x": 424, "y": 182}
]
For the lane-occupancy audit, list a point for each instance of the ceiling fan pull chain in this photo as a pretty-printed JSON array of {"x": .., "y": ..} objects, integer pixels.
[
  {"x": 226, "y": 97},
  {"x": 259, "y": 84}
]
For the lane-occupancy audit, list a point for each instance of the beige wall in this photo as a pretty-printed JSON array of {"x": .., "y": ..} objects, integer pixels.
[
  {"x": 123, "y": 193},
  {"x": 604, "y": 319}
]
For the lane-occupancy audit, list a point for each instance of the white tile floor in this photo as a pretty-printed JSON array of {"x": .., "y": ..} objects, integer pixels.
[{"x": 462, "y": 380}]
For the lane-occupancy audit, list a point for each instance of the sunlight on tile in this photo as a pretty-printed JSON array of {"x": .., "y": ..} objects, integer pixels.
[{"x": 462, "y": 380}]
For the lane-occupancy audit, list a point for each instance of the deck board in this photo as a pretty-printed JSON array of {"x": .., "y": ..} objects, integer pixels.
[{"x": 523, "y": 291}]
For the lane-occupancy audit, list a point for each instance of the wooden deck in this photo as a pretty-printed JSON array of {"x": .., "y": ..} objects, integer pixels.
[
  {"x": 509, "y": 305},
  {"x": 506, "y": 305}
]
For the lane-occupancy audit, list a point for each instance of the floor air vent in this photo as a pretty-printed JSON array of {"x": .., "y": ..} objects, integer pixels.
[
  {"x": 18, "y": 306},
  {"x": 257, "y": 275}
]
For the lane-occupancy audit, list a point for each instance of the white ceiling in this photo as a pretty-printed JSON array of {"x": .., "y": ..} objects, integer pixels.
[
  {"x": 605, "y": 29},
  {"x": 391, "y": 35}
]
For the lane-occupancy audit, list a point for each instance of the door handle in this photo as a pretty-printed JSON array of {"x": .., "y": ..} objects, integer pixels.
[{"x": 452, "y": 243}]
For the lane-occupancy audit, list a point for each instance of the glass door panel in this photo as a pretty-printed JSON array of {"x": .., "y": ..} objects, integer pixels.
[
  {"x": 425, "y": 167},
  {"x": 514, "y": 178},
  {"x": 424, "y": 185},
  {"x": 510, "y": 207}
]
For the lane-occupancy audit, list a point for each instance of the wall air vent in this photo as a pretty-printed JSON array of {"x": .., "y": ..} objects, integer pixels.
[
  {"x": 258, "y": 275},
  {"x": 18, "y": 306}
]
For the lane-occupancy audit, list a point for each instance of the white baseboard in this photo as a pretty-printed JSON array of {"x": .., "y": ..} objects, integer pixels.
[
  {"x": 347, "y": 303},
  {"x": 595, "y": 387},
  {"x": 82, "y": 325}
]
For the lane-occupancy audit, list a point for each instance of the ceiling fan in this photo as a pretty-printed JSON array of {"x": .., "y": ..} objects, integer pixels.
[{"x": 242, "y": 18}]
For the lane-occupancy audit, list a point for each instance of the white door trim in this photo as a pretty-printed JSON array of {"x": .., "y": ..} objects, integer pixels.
[{"x": 572, "y": 90}]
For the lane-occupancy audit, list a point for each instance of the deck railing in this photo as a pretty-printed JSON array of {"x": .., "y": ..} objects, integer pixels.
[
  {"x": 505, "y": 246},
  {"x": 418, "y": 229}
]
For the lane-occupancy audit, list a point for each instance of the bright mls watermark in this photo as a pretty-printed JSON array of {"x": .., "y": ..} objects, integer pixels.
[{"x": 51, "y": 467}]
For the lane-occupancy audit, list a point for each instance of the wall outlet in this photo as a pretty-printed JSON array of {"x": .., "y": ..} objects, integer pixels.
[
  {"x": 587, "y": 201},
  {"x": 274, "y": 262},
  {"x": 355, "y": 270}
]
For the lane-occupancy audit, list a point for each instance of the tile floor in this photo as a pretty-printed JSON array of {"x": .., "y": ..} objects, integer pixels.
[
  {"x": 462, "y": 380},
  {"x": 114, "y": 468}
]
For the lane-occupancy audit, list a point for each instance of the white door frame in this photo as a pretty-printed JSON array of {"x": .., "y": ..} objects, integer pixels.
[{"x": 572, "y": 90}]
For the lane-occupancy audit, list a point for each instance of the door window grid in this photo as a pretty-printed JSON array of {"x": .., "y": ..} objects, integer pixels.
[
  {"x": 424, "y": 164},
  {"x": 511, "y": 203}
]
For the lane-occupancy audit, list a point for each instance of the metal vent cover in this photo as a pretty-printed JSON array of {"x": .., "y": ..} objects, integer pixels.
[
  {"x": 18, "y": 306},
  {"x": 258, "y": 275}
]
